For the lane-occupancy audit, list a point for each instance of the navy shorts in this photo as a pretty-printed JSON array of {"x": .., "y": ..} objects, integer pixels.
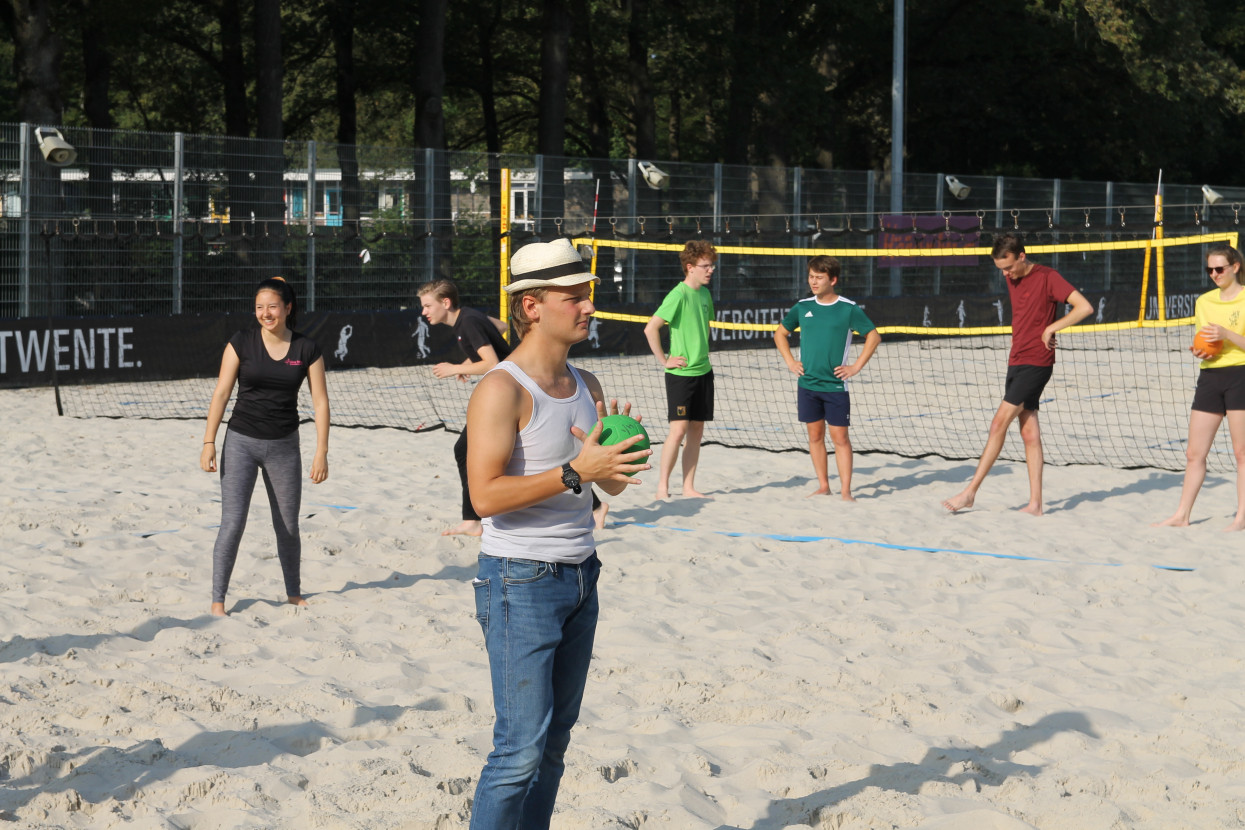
[
  {"x": 1025, "y": 384},
  {"x": 1220, "y": 390},
  {"x": 835, "y": 408},
  {"x": 689, "y": 398}
]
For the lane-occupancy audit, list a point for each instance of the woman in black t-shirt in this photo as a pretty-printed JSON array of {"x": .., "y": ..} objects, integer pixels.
[{"x": 268, "y": 365}]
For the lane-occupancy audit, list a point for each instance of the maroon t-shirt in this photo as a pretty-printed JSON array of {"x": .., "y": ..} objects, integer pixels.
[{"x": 1036, "y": 298}]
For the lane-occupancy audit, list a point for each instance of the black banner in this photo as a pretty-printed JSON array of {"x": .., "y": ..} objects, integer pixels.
[{"x": 34, "y": 351}]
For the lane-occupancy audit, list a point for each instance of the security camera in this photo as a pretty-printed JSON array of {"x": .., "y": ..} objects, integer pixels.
[
  {"x": 958, "y": 189},
  {"x": 56, "y": 150},
  {"x": 1211, "y": 196},
  {"x": 653, "y": 177}
]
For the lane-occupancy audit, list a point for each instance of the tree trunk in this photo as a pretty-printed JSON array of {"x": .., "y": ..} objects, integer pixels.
[
  {"x": 551, "y": 121},
  {"x": 430, "y": 134},
  {"x": 269, "y": 128}
]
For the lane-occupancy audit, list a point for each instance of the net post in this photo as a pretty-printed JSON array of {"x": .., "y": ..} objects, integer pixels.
[
  {"x": 1159, "y": 259},
  {"x": 504, "y": 249}
]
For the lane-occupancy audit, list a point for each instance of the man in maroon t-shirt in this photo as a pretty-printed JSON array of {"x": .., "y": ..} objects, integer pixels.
[{"x": 1036, "y": 292}]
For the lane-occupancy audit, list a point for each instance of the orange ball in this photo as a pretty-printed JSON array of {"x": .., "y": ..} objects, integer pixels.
[{"x": 1210, "y": 347}]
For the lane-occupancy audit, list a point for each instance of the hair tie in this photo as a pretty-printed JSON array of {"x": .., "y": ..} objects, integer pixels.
[{"x": 277, "y": 278}]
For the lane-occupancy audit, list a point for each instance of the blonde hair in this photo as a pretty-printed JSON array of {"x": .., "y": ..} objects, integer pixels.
[{"x": 518, "y": 317}]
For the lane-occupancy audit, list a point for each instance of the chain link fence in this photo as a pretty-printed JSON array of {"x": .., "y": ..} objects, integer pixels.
[{"x": 160, "y": 223}]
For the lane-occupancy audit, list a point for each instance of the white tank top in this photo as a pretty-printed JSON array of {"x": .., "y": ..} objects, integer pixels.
[{"x": 558, "y": 529}]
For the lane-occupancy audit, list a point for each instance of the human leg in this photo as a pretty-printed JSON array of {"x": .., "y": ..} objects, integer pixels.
[
  {"x": 1003, "y": 418},
  {"x": 817, "y": 453},
  {"x": 1236, "y": 426},
  {"x": 1202, "y": 429},
  {"x": 470, "y": 525},
  {"x": 670, "y": 454},
  {"x": 599, "y": 510},
  {"x": 539, "y": 621},
  {"x": 691, "y": 457},
  {"x": 843, "y": 459},
  {"x": 282, "y": 467},
  {"x": 238, "y": 470},
  {"x": 1031, "y": 435}
]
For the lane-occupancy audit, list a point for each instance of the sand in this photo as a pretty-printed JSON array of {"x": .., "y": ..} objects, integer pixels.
[{"x": 763, "y": 661}]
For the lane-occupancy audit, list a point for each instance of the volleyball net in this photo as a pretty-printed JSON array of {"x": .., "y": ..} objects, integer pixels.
[{"x": 1119, "y": 396}]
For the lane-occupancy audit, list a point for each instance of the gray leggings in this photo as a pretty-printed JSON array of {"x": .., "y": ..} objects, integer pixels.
[{"x": 240, "y": 460}]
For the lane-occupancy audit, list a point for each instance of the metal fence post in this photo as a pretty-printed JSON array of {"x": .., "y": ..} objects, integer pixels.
[
  {"x": 311, "y": 226},
  {"x": 797, "y": 199},
  {"x": 718, "y": 202},
  {"x": 1110, "y": 204},
  {"x": 871, "y": 195},
  {"x": 633, "y": 207},
  {"x": 538, "y": 210},
  {"x": 1055, "y": 220},
  {"x": 23, "y": 308},
  {"x": 179, "y": 179},
  {"x": 430, "y": 206}
]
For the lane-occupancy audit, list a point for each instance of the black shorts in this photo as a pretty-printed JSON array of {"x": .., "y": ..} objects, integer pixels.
[
  {"x": 1025, "y": 384},
  {"x": 1220, "y": 390},
  {"x": 835, "y": 408},
  {"x": 689, "y": 398}
]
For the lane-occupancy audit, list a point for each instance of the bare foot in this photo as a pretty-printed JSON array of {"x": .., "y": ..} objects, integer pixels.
[
  {"x": 695, "y": 494},
  {"x": 1032, "y": 509},
  {"x": 963, "y": 501},
  {"x": 1175, "y": 521},
  {"x": 299, "y": 601},
  {"x": 218, "y": 609},
  {"x": 1239, "y": 524},
  {"x": 469, "y": 527},
  {"x": 598, "y": 515},
  {"x": 663, "y": 493},
  {"x": 848, "y": 497},
  {"x": 820, "y": 491}
]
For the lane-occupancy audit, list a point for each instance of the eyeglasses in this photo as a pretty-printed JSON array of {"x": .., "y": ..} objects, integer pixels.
[{"x": 1211, "y": 270}]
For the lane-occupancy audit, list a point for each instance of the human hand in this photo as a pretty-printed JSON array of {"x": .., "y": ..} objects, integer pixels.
[
  {"x": 675, "y": 362},
  {"x": 596, "y": 462},
  {"x": 845, "y": 372},
  {"x": 796, "y": 367},
  {"x": 444, "y": 370},
  {"x": 320, "y": 467},
  {"x": 207, "y": 457}
]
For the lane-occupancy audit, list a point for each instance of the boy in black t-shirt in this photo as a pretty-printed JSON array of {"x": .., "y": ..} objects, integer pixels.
[{"x": 480, "y": 338}]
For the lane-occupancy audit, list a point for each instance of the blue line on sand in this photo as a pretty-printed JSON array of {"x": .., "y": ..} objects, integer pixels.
[{"x": 784, "y": 537}]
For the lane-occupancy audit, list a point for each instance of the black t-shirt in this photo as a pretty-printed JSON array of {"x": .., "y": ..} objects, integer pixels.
[
  {"x": 267, "y": 403},
  {"x": 475, "y": 330}
]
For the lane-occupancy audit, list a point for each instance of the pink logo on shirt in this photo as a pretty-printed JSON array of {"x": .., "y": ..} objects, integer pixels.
[{"x": 293, "y": 362}]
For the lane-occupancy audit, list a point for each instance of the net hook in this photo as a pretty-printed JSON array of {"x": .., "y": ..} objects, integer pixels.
[
  {"x": 756, "y": 225},
  {"x": 1087, "y": 217},
  {"x": 1050, "y": 222},
  {"x": 1122, "y": 222},
  {"x": 1236, "y": 213},
  {"x": 76, "y": 232},
  {"x": 1015, "y": 219},
  {"x": 787, "y": 219},
  {"x": 1197, "y": 219},
  {"x": 670, "y": 225},
  {"x": 946, "y": 219},
  {"x": 914, "y": 230},
  {"x": 640, "y": 220},
  {"x": 728, "y": 226},
  {"x": 698, "y": 230},
  {"x": 614, "y": 226},
  {"x": 981, "y": 219}
]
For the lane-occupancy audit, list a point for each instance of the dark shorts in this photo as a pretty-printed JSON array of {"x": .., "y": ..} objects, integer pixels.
[
  {"x": 1025, "y": 384},
  {"x": 689, "y": 398},
  {"x": 1220, "y": 390},
  {"x": 835, "y": 408}
]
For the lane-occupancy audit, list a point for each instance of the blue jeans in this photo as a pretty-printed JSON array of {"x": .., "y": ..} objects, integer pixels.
[{"x": 539, "y": 620}]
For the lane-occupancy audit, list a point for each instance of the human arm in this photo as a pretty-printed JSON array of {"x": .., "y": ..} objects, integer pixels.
[
  {"x": 216, "y": 409},
  {"x": 872, "y": 340},
  {"x": 488, "y": 359},
  {"x": 497, "y": 407},
  {"x": 1081, "y": 309},
  {"x": 501, "y": 325},
  {"x": 652, "y": 333},
  {"x": 782, "y": 339},
  {"x": 320, "y": 410}
]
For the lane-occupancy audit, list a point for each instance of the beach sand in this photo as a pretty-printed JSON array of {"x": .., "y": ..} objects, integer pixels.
[{"x": 763, "y": 661}]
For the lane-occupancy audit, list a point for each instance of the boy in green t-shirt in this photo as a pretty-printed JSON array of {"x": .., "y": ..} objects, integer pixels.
[
  {"x": 826, "y": 322},
  {"x": 687, "y": 309}
]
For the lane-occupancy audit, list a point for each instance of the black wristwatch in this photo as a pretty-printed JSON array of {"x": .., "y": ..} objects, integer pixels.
[{"x": 570, "y": 479}]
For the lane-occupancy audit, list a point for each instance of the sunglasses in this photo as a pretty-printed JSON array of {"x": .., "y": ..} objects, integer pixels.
[{"x": 1211, "y": 270}]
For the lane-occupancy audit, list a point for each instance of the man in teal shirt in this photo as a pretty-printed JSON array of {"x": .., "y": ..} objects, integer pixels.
[
  {"x": 687, "y": 309},
  {"x": 826, "y": 322}
]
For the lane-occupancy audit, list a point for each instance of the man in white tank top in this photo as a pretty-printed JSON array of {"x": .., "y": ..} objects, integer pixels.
[{"x": 532, "y": 454}]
